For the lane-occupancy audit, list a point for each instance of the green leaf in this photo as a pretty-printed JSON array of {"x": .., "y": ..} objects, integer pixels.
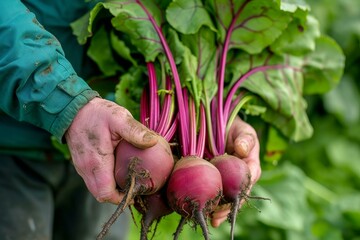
[
  {"x": 293, "y": 5},
  {"x": 187, "y": 72},
  {"x": 176, "y": 46},
  {"x": 296, "y": 127},
  {"x": 344, "y": 101},
  {"x": 166, "y": 228},
  {"x": 342, "y": 152},
  {"x": 254, "y": 109},
  {"x": 204, "y": 49},
  {"x": 275, "y": 146},
  {"x": 121, "y": 48},
  {"x": 202, "y": 56},
  {"x": 100, "y": 51},
  {"x": 323, "y": 230},
  {"x": 298, "y": 38},
  {"x": 278, "y": 81},
  {"x": 83, "y": 27},
  {"x": 129, "y": 89},
  {"x": 282, "y": 80},
  {"x": 350, "y": 202},
  {"x": 341, "y": 20},
  {"x": 130, "y": 18},
  {"x": 350, "y": 207},
  {"x": 324, "y": 67},
  {"x": 254, "y": 24},
  {"x": 287, "y": 207},
  {"x": 188, "y": 16}
]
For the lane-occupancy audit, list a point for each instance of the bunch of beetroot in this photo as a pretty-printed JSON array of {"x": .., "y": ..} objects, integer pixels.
[
  {"x": 194, "y": 185},
  {"x": 198, "y": 63}
]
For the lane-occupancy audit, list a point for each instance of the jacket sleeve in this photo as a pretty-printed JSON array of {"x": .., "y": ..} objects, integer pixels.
[{"x": 37, "y": 83}]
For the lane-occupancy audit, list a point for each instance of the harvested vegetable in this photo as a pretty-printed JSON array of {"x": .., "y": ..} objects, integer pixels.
[
  {"x": 139, "y": 172},
  {"x": 152, "y": 208}
]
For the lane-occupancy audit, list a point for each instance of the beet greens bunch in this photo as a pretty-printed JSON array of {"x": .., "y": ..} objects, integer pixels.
[{"x": 187, "y": 68}]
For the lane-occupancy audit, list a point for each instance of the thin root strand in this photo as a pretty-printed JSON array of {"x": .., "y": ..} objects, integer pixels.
[
  {"x": 200, "y": 219},
  {"x": 179, "y": 228},
  {"x": 119, "y": 210},
  {"x": 233, "y": 215}
]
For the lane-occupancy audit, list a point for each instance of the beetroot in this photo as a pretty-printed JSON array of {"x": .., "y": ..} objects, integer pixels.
[
  {"x": 194, "y": 190},
  {"x": 150, "y": 167},
  {"x": 152, "y": 207},
  {"x": 236, "y": 179},
  {"x": 139, "y": 172}
]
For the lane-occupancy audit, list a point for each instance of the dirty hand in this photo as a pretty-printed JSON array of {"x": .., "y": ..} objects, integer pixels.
[
  {"x": 243, "y": 143},
  {"x": 92, "y": 137}
]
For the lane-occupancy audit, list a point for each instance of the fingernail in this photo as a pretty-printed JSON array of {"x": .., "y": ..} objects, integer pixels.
[
  {"x": 149, "y": 136},
  {"x": 245, "y": 147}
]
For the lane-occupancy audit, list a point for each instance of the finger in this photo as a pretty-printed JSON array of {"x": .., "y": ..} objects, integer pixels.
[
  {"x": 253, "y": 163},
  {"x": 255, "y": 169},
  {"x": 98, "y": 176},
  {"x": 218, "y": 217},
  {"x": 244, "y": 143},
  {"x": 93, "y": 159},
  {"x": 103, "y": 176},
  {"x": 216, "y": 222},
  {"x": 133, "y": 131}
]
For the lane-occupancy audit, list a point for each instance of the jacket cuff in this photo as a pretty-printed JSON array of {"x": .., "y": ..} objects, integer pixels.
[{"x": 60, "y": 114}]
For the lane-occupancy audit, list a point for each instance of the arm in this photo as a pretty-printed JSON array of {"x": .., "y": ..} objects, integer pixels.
[{"x": 38, "y": 85}]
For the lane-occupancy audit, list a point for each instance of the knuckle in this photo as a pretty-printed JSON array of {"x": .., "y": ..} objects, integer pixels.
[{"x": 123, "y": 112}]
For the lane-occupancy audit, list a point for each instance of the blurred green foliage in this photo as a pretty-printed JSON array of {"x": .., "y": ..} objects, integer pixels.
[{"x": 314, "y": 185}]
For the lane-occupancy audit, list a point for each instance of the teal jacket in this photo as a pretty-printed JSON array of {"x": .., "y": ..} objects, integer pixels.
[{"x": 42, "y": 72}]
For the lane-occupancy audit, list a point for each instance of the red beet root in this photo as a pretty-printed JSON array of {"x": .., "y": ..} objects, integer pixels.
[
  {"x": 150, "y": 167},
  {"x": 236, "y": 179},
  {"x": 152, "y": 207},
  {"x": 139, "y": 172},
  {"x": 194, "y": 190}
]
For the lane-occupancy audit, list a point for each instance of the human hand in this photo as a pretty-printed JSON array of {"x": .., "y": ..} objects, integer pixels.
[
  {"x": 92, "y": 138},
  {"x": 243, "y": 143}
]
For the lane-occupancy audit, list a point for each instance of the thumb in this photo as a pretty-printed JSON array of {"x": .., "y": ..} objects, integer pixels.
[
  {"x": 135, "y": 132},
  {"x": 243, "y": 144},
  {"x": 242, "y": 138}
]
